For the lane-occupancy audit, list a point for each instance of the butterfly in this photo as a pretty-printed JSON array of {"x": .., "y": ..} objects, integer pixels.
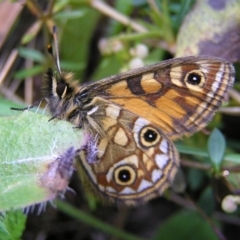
[{"x": 131, "y": 119}]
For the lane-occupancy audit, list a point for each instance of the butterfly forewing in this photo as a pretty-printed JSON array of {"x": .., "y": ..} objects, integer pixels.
[{"x": 180, "y": 96}]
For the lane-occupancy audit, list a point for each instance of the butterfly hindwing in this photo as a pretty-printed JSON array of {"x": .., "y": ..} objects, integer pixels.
[{"x": 134, "y": 163}]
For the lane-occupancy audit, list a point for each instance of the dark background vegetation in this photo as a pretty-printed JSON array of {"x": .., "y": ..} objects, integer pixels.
[{"x": 162, "y": 26}]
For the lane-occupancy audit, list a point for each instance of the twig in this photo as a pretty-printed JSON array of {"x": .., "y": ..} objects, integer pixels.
[
  {"x": 34, "y": 8},
  {"x": 233, "y": 111},
  {"x": 7, "y": 66},
  {"x": 230, "y": 219},
  {"x": 109, "y": 11},
  {"x": 9, "y": 95},
  {"x": 192, "y": 164}
]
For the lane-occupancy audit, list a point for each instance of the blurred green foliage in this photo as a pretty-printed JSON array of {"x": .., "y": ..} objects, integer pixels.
[
  {"x": 12, "y": 224},
  {"x": 82, "y": 28}
]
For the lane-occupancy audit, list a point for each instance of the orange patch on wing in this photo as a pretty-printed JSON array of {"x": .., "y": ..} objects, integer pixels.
[
  {"x": 150, "y": 85},
  {"x": 148, "y": 112},
  {"x": 120, "y": 89},
  {"x": 170, "y": 106},
  {"x": 193, "y": 101}
]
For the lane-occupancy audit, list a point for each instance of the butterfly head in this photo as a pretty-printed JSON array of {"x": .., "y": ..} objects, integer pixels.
[{"x": 59, "y": 90}]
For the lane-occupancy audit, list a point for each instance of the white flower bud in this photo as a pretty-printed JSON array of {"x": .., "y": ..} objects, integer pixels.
[
  {"x": 116, "y": 46},
  {"x": 103, "y": 46},
  {"x": 229, "y": 203},
  {"x": 136, "y": 63},
  {"x": 141, "y": 51},
  {"x": 106, "y": 46}
]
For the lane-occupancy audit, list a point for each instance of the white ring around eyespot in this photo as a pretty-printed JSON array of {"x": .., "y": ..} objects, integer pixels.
[{"x": 138, "y": 125}]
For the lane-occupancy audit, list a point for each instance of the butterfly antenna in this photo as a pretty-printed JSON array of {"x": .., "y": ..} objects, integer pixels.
[
  {"x": 50, "y": 50},
  {"x": 27, "y": 108}
]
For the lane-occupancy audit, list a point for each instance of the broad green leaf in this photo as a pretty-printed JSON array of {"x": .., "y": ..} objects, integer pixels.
[
  {"x": 185, "y": 225},
  {"x": 94, "y": 222},
  {"x": 195, "y": 178},
  {"x": 29, "y": 145},
  {"x": 32, "y": 32},
  {"x": 69, "y": 14},
  {"x": 5, "y": 107},
  {"x": 191, "y": 150},
  {"x": 207, "y": 201},
  {"x": 216, "y": 148},
  {"x": 109, "y": 65},
  {"x": 181, "y": 9},
  {"x": 72, "y": 66},
  {"x": 28, "y": 38},
  {"x": 74, "y": 44},
  {"x": 29, "y": 72},
  {"x": 31, "y": 54},
  {"x": 232, "y": 157}
]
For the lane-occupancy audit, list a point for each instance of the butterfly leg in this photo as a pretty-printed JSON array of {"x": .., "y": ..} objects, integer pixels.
[{"x": 90, "y": 149}]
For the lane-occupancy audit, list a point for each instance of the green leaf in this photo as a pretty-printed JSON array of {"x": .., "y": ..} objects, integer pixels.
[
  {"x": 29, "y": 72},
  {"x": 71, "y": 48},
  {"x": 191, "y": 150},
  {"x": 31, "y": 54},
  {"x": 216, "y": 148},
  {"x": 72, "y": 66},
  {"x": 185, "y": 225},
  {"x": 108, "y": 66},
  {"x": 94, "y": 222},
  {"x": 125, "y": 7},
  {"x": 207, "y": 201},
  {"x": 12, "y": 225},
  {"x": 29, "y": 145},
  {"x": 163, "y": 21},
  {"x": 69, "y": 15},
  {"x": 27, "y": 38},
  {"x": 181, "y": 13},
  {"x": 5, "y": 107},
  {"x": 195, "y": 178},
  {"x": 232, "y": 157}
]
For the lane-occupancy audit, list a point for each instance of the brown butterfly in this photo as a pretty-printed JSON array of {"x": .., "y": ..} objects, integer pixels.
[{"x": 130, "y": 121}]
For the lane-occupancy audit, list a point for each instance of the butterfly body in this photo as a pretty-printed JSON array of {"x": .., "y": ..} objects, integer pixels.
[{"x": 130, "y": 121}]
